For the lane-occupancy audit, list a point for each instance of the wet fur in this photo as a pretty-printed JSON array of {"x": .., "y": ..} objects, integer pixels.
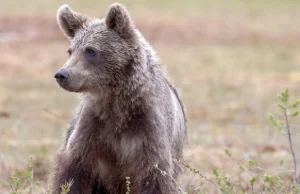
[{"x": 126, "y": 123}]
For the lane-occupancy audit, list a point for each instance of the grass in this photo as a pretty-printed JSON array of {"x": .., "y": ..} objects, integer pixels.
[{"x": 228, "y": 59}]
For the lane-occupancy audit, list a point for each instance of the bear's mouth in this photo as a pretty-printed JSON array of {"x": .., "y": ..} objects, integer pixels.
[
  {"x": 64, "y": 86},
  {"x": 68, "y": 87}
]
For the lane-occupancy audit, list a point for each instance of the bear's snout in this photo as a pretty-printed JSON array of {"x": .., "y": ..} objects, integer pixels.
[{"x": 61, "y": 76}]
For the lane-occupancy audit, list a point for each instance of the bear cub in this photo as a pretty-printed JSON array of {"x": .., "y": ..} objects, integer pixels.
[{"x": 130, "y": 120}]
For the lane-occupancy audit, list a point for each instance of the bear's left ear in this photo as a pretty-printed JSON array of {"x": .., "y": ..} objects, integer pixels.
[
  {"x": 69, "y": 21},
  {"x": 118, "y": 19}
]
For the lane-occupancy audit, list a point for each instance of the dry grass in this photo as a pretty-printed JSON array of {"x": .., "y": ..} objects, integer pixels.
[{"x": 229, "y": 65}]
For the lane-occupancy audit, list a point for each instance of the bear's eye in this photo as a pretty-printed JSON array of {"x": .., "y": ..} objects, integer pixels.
[
  {"x": 70, "y": 52},
  {"x": 90, "y": 52}
]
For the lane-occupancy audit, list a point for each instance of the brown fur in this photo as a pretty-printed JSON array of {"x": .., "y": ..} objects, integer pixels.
[{"x": 130, "y": 117}]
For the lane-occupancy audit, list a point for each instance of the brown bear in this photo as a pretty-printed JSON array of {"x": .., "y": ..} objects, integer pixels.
[{"x": 130, "y": 121}]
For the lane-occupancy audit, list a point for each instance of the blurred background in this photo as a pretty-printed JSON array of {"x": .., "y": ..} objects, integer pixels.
[{"x": 229, "y": 59}]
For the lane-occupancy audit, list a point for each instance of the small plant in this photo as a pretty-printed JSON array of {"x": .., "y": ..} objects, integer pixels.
[
  {"x": 265, "y": 181},
  {"x": 15, "y": 187},
  {"x": 224, "y": 182},
  {"x": 30, "y": 176},
  {"x": 66, "y": 187},
  {"x": 128, "y": 185},
  {"x": 23, "y": 181},
  {"x": 289, "y": 109},
  {"x": 252, "y": 181}
]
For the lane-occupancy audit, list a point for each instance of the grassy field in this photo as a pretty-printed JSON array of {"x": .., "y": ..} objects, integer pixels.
[{"x": 229, "y": 59}]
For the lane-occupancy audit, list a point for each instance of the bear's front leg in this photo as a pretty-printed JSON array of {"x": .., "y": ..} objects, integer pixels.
[{"x": 67, "y": 169}]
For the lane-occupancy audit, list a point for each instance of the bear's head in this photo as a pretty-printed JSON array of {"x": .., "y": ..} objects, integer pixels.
[{"x": 101, "y": 50}]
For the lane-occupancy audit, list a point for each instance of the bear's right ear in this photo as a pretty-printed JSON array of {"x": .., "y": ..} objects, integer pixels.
[{"x": 69, "y": 21}]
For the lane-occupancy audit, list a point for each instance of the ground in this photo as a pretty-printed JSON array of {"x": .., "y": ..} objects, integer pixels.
[{"x": 229, "y": 60}]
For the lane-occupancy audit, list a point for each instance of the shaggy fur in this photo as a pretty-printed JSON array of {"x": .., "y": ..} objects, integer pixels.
[{"x": 130, "y": 117}]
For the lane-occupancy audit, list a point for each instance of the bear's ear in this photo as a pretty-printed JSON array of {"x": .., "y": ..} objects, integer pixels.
[
  {"x": 69, "y": 21},
  {"x": 118, "y": 19}
]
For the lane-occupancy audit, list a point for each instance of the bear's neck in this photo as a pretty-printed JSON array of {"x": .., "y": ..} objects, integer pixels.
[{"x": 118, "y": 106}]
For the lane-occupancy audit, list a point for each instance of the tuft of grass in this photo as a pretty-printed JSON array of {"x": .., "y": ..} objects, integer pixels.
[
  {"x": 128, "y": 185},
  {"x": 66, "y": 187},
  {"x": 15, "y": 187}
]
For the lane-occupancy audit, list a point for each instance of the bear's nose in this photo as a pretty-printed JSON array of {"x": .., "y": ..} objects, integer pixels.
[{"x": 61, "y": 76}]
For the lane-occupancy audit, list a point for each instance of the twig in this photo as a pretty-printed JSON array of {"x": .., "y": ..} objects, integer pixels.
[
  {"x": 31, "y": 176},
  {"x": 291, "y": 146},
  {"x": 286, "y": 133},
  {"x": 198, "y": 172},
  {"x": 54, "y": 115},
  {"x": 164, "y": 173},
  {"x": 12, "y": 188}
]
